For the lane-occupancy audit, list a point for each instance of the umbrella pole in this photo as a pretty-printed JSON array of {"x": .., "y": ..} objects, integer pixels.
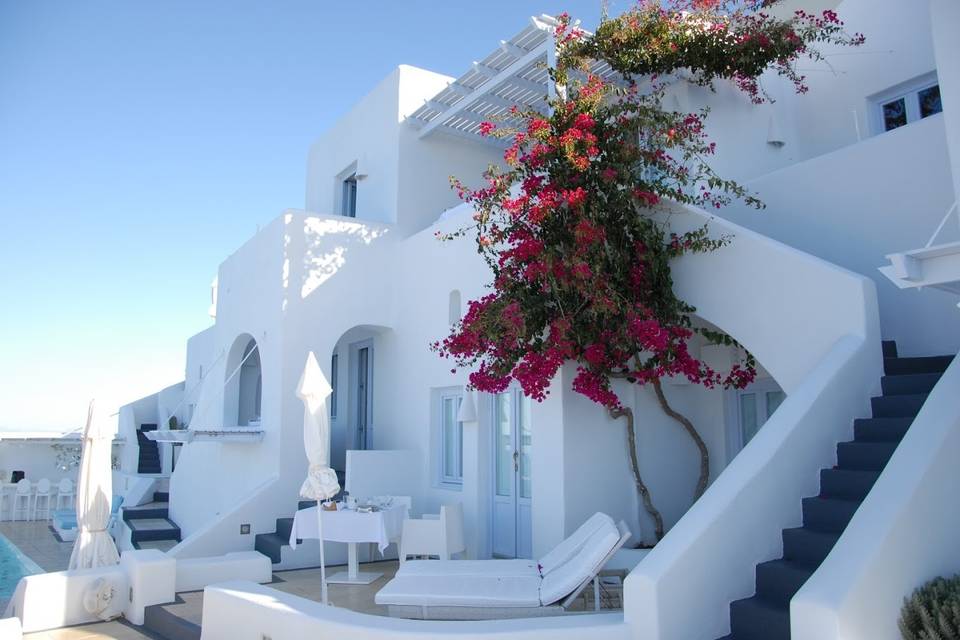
[{"x": 323, "y": 568}]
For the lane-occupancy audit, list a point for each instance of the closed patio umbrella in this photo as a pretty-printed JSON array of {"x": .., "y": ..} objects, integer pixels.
[
  {"x": 94, "y": 546},
  {"x": 321, "y": 483}
]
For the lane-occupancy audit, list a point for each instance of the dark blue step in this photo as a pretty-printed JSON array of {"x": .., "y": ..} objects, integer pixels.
[
  {"x": 828, "y": 514},
  {"x": 908, "y": 384},
  {"x": 779, "y": 580},
  {"x": 162, "y": 621},
  {"x": 880, "y": 429},
  {"x": 807, "y": 546},
  {"x": 864, "y": 456},
  {"x": 137, "y": 513},
  {"x": 905, "y": 406},
  {"x": 284, "y": 527},
  {"x": 847, "y": 484},
  {"x": 161, "y": 496},
  {"x": 926, "y": 364},
  {"x": 171, "y": 532},
  {"x": 758, "y": 619},
  {"x": 889, "y": 348},
  {"x": 269, "y": 544}
]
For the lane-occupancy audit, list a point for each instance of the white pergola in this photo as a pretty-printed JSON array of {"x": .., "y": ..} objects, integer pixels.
[{"x": 514, "y": 74}]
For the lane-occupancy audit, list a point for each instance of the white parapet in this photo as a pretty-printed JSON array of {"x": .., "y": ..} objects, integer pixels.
[
  {"x": 248, "y": 611},
  {"x": 53, "y": 600},
  {"x": 152, "y": 577},
  {"x": 10, "y": 629},
  {"x": 193, "y": 574}
]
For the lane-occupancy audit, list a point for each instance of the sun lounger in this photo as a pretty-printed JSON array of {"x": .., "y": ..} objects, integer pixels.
[
  {"x": 511, "y": 568},
  {"x": 489, "y": 589}
]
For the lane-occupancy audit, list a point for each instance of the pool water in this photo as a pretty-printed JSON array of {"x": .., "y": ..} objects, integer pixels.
[{"x": 13, "y": 566}]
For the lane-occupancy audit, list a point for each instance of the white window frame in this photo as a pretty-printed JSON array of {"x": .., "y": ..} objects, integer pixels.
[
  {"x": 446, "y": 478},
  {"x": 340, "y": 203},
  {"x": 909, "y": 92},
  {"x": 334, "y": 373},
  {"x": 439, "y": 398}
]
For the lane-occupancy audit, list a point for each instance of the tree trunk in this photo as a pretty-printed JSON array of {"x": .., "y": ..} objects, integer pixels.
[
  {"x": 642, "y": 489},
  {"x": 704, "y": 452}
]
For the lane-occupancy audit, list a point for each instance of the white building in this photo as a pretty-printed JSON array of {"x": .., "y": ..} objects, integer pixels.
[{"x": 358, "y": 277}]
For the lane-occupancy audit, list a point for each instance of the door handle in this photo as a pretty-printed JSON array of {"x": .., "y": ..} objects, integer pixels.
[{"x": 516, "y": 463}]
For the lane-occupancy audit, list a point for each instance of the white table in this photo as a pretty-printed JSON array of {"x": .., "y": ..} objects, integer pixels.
[{"x": 351, "y": 527}]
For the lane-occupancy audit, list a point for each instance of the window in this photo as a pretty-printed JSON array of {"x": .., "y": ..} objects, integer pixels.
[
  {"x": 908, "y": 103},
  {"x": 348, "y": 196},
  {"x": 333, "y": 385},
  {"x": 451, "y": 440}
]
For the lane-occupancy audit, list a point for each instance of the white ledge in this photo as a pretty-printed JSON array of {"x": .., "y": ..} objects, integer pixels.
[{"x": 214, "y": 434}]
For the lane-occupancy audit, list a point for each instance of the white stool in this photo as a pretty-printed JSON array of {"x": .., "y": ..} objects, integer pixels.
[
  {"x": 21, "y": 500},
  {"x": 65, "y": 494},
  {"x": 43, "y": 492}
]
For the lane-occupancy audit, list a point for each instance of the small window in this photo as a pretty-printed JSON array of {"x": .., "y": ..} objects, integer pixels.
[
  {"x": 908, "y": 103},
  {"x": 333, "y": 385},
  {"x": 348, "y": 196},
  {"x": 451, "y": 440},
  {"x": 453, "y": 307}
]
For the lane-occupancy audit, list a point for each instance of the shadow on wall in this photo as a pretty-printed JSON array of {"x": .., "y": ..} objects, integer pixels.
[{"x": 325, "y": 243}]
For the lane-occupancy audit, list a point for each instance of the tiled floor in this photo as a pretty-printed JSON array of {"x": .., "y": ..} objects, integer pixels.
[
  {"x": 36, "y": 540},
  {"x": 306, "y": 584},
  {"x": 100, "y": 631}
]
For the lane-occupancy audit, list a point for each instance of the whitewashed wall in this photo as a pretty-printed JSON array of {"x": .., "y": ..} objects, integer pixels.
[{"x": 854, "y": 206}]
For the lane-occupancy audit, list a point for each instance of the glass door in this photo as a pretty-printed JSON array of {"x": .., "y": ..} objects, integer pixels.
[
  {"x": 513, "y": 490},
  {"x": 754, "y": 406}
]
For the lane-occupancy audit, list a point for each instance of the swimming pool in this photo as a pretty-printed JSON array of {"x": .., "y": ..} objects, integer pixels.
[{"x": 14, "y": 564}]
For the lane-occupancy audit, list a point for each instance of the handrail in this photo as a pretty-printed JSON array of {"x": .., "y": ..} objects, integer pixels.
[{"x": 946, "y": 217}]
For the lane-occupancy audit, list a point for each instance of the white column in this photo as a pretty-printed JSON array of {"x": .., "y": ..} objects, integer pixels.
[
  {"x": 474, "y": 514},
  {"x": 945, "y": 18}
]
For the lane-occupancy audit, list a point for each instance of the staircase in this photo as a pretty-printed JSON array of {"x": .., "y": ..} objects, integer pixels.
[
  {"x": 905, "y": 384},
  {"x": 150, "y": 524},
  {"x": 149, "y": 452},
  {"x": 271, "y": 544}
]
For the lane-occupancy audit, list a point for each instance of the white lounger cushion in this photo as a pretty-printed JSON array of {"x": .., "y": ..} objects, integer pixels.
[
  {"x": 466, "y": 568},
  {"x": 454, "y": 591},
  {"x": 561, "y": 582},
  {"x": 575, "y": 541}
]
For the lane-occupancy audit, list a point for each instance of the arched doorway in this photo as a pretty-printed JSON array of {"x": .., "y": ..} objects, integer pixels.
[{"x": 243, "y": 394}]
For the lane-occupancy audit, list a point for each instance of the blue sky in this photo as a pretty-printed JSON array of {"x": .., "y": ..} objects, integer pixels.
[{"x": 142, "y": 142}]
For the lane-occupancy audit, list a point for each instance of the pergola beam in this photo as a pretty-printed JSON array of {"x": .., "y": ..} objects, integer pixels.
[
  {"x": 503, "y": 77},
  {"x": 513, "y": 50}
]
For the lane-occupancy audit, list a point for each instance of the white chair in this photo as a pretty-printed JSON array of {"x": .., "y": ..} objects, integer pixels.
[
  {"x": 434, "y": 536},
  {"x": 43, "y": 493},
  {"x": 6, "y": 502},
  {"x": 65, "y": 492},
  {"x": 21, "y": 500}
]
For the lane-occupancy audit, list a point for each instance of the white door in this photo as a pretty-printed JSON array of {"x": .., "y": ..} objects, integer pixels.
[
  {"x": 512, "y": 490},
  {"x": 362, "y": 410},
  {"x": 752, "y": 407}
]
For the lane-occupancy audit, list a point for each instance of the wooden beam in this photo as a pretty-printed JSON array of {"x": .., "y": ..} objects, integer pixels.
[
  {"x": 530, "y": 85},
  {"x": 467, "y": 135},
  {"x": 513, "y": 50},
  {"x": 491, "y": 85},
  {"x": 459, "y": 89},
  {"x": 485, "y": 71}
]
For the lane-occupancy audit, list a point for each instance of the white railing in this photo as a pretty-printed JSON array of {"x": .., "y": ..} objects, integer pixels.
[{"x": 943, "y": 223}]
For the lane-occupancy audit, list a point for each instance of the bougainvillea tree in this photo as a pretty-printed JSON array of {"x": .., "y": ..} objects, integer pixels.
[{"x": 568, "y": 224}]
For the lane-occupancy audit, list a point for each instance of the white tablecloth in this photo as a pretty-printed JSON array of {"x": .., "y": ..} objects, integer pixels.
[{"x": 350, "y": 526}]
